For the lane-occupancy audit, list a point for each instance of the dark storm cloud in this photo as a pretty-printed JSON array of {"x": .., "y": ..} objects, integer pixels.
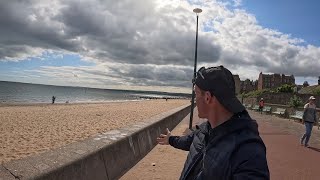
[
  {"x": 127, "y": 32},
  {"x": 19, "y": 31}
]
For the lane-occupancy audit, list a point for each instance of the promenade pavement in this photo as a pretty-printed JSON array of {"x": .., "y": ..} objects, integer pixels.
[{"x": 287, "y": 159}]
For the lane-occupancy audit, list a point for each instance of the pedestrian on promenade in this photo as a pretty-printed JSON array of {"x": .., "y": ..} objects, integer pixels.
[
  {"x": 261, "y": 105},
  {"x": 309, "y": 118},
  {"x": 227, "y": 145}
]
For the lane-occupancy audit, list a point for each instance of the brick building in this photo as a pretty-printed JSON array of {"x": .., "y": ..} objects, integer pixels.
[
  {"x": 247, "y": 86},
  {"x": 267, "y": 81}
]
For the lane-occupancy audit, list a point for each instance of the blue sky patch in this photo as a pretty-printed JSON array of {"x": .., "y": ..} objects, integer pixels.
[
  {"x": 9, "y": 69},
  {"x": 298, "y": 18}
]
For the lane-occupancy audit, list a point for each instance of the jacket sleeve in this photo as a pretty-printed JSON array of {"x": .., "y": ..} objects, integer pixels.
[
  {"x": 181, "y": 142},
  {"x": 250, "y": 163}
]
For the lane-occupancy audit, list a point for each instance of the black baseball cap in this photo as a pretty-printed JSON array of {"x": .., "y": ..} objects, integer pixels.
[{"x": 219, "y": 82}]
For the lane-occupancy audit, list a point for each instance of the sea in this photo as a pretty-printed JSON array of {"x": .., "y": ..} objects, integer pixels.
[{"x": 16, "y": 92}]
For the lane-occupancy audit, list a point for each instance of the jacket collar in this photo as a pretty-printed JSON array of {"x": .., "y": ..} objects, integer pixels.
[{"x": 235, "y": 123}]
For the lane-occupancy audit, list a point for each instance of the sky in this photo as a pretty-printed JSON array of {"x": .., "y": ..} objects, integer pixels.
[{"x": 150, "y": 45}]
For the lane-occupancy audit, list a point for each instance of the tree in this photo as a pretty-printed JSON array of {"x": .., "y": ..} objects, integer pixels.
[
  {"x": 316, "y": 91},
  {"x": 295, "y": 101},
  {"x": 305, "y": 84},
  {"x": 285, "y": 88}
]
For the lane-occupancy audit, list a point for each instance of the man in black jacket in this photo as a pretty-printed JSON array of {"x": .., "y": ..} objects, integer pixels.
[{"x": 228, "y": 145}]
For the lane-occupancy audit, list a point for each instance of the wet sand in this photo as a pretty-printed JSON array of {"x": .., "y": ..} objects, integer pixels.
[{"x": 31, "y": 129}]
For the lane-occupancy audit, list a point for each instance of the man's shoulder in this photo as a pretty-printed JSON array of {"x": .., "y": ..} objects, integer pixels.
[
  {"x": 308, "y": 105},
  {"x": 251, "y": 145},
  {"x": 248, "y": 134},
  {"x": 246, "y": 148},
  {"x": 247, "y": 140},
  {"x": 250, "y": 158},
  {"x": 236, "y": 138}
]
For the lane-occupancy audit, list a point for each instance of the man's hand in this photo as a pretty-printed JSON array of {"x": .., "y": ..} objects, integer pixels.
[{"x": 163, "y": 139}]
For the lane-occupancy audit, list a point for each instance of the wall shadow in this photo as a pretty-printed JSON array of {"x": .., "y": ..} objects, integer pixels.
[{"x": 314, "y": 148}]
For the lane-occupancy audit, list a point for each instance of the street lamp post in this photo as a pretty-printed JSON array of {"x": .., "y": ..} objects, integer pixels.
[{"x": 197, "y": 11}]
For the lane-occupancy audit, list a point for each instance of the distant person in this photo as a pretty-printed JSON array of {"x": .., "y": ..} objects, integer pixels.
[
  {"x": 227, "y": 145},
  {"x": 309, "y": 118},
  {"x": 261, "y": 105},
  {"x": 53, "y": 99}
]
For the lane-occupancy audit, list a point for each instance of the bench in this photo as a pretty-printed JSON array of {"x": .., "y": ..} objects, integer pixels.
[
  {"x": 297, "y": 115},
  {"x": 248, "y": 106},
  {"x": 280, "y": 111},
  {"x": 266, "y": 109},
  {"x": 255, "y": 107}
]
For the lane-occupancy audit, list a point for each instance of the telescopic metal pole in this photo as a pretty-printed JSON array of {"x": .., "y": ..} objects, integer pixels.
[{"x": 194, "y": 71}]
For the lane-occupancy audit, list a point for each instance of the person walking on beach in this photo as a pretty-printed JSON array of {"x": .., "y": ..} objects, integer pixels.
[
  {"x": 53, "y": 99},
  {"x": 227, "y": 145},
  {"x": 261, "y": 105},
  {"x": 309, "y": 118}
]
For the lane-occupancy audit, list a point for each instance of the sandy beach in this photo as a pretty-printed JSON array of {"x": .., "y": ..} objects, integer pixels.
[{"x": 31, "y": 129}]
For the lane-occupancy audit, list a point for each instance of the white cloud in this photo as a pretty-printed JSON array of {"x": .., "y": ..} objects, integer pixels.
[{"x": 147, "y": 42}]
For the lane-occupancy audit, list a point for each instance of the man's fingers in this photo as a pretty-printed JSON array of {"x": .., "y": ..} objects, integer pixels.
[
  {"x": 160, "y": 141},
  {"x": 163, "y": 138},
  {"x": 168, "y": 132}
]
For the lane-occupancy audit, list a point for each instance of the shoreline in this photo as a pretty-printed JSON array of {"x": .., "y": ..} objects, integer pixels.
[
  {"x": 67, "y": 104},
  {"x": 142, "y": 98}
]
